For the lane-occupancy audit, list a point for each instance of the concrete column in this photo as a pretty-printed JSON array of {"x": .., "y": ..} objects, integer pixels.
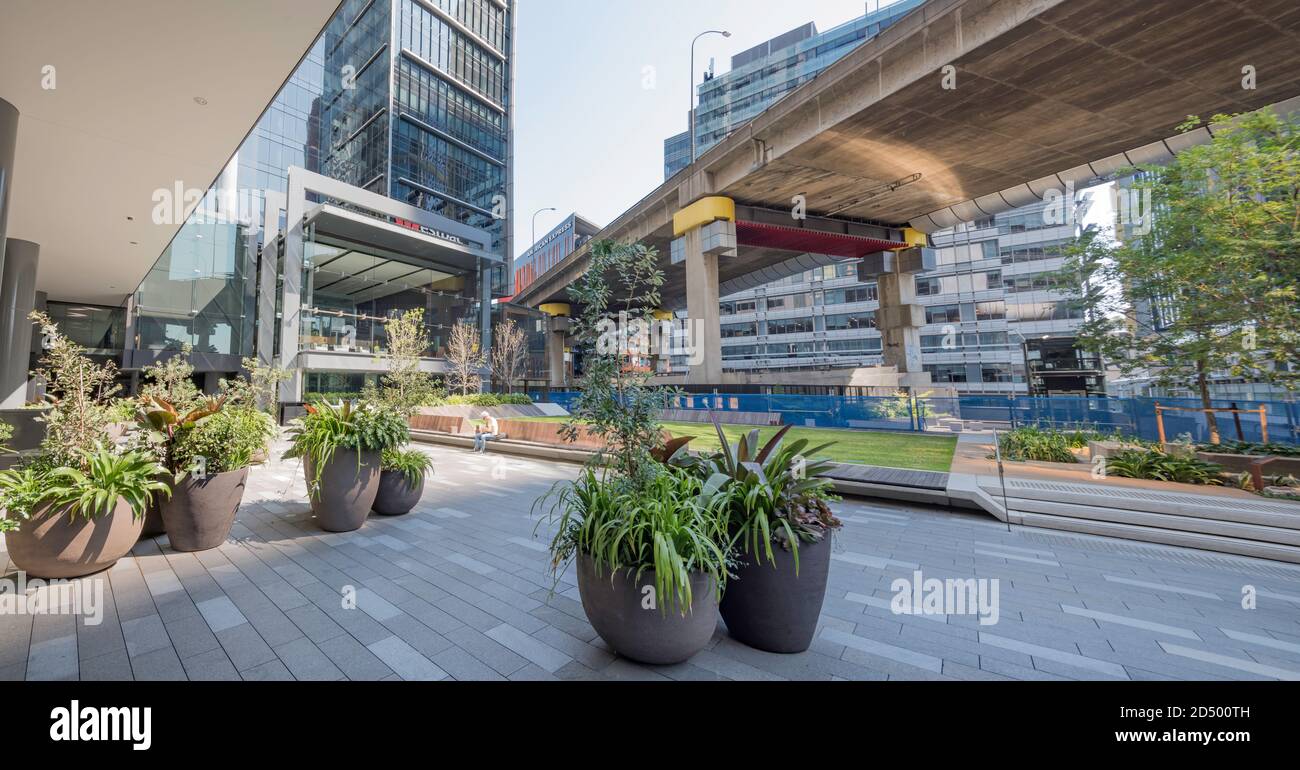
[
  {"x": 17, "y": 300},
  {"x": 557, "y": 372},
  {"x": 8, "y": 143},
  {"x": 705, "y": 332},
  {"x": 898, "y": 320}
]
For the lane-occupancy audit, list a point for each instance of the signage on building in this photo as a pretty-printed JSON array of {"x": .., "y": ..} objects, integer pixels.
[{"x": 552, "y": 236}]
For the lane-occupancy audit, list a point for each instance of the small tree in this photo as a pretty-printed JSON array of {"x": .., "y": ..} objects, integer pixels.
[
  {"x": 260, "y": 388},
  {"x": 1212, "y": 285},
  {"x": 509, "y": 353},
  {"x": 78, "y": 420},
  {"x": 173, "y": 380},
  {"x": 405, "y": 387},
  {"x": 617, "y": 402},
  {"x": 464, "y": 357}
]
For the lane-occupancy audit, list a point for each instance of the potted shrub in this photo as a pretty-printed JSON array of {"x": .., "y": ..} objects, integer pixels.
[
  {"x": 208, "y": 452},
  {"x": 78, "y": 505},
  {"x": 66, "y": 521},
  {"x": 401, "y": 480},
  {"x": 340, "y": 447},
  {"x": 651, "y": 559},
  {"x": 649, "y": 541},
  {"x": 782, "y": 525}
]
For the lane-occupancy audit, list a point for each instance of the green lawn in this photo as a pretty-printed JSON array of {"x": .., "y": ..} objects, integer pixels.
[{"x": 892, "y": 450}]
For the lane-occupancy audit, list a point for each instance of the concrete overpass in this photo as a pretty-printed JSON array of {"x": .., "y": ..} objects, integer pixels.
[{"x": 964, "y": 108}]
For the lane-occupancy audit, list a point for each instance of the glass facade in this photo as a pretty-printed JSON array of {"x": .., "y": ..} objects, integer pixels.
[
  {"x": 405, "y": 98},
  {"x": 350, "y": 291},
  {"x": 199, "y": 292}
]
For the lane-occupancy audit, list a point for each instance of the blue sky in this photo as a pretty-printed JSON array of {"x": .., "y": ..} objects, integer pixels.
[{"x": 589, "y": 130}]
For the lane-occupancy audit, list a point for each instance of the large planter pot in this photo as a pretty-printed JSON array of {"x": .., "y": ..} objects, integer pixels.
[
  {"x": 153, "y": 520},
  {"x": 615, "y": 609},
  {"x": 347, "y": 490},
  {"x": 766, "y": 606},
  {"x": 397, "y": 494},
  {"x": 52, "y": 544},
  {"x": 200, "y": 512}
]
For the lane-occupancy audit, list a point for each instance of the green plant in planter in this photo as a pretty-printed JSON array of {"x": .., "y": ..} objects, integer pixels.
[
  {"x": 1158, "y": 466},
  {"x": 669, "y": 521},
  {"x": 775, "y": 491},
  {"x": 327, "y": 428},
  {"x": 413, "y": 464},
  {"x": 165, "y": 428},
  {"x": 1029, "y": 442},
  {"x": 227, "y": 440},
  {"x": 90, "y": 491}
]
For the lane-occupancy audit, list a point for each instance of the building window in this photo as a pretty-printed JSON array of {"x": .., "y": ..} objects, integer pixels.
[
  {"x": 990, "y": 311},
  {"x": 946, "y": 372},
  {"x": 790, "y": 326},
  {"x": 943, "y": 314},
  {"x": 739, "y": 330},
  {"x": 840, "y": 321}
]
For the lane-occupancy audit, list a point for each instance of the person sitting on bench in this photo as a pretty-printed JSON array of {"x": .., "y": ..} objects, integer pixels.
[{"x": 488, "y": 431}]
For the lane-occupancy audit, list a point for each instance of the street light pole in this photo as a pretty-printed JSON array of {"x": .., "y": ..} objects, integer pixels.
[
  {"x": 535, "y": 213},
  {"x": 692, "y": 79}
]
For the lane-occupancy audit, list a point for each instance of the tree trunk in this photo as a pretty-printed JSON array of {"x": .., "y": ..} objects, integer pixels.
[{"x": 1203, "y": 384}]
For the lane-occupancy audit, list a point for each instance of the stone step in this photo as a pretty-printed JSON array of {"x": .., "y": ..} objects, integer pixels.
[
  {"x": 1163, "y": 521},
  {"x": 1221, "y": 544},
  {"x": 1281, "y": 515}
]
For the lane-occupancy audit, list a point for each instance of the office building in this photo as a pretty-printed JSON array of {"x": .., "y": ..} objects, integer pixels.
[
  {"x": 997, "y": 318},
  {"x": 377, "y": 180},
  {"x": 564, "y": 239},
  {"x": 764, "y": 73}
]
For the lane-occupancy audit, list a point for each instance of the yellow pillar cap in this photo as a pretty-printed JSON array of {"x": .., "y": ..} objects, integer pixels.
[
  {"x": 702, "y": 212},
  {"x": 555, "y": 309},
  {"x": 915, "y": 237}
]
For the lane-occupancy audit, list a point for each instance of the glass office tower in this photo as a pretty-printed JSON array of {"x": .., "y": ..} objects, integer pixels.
[{"x": 408, "y": 99}]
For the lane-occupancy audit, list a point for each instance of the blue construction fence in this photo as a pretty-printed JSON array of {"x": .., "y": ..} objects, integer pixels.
[{"x": 1129, "y": 416}]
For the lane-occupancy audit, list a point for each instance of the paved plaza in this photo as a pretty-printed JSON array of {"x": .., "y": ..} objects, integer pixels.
[{"x": 459, "y": 589}]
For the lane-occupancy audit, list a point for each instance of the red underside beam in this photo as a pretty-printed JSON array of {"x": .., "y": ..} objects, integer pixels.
[{"x": 800, "y": 240}]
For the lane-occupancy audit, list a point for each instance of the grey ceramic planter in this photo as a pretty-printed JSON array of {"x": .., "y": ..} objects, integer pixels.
[
  {"x": 347, "y": 490},
  {"x": 200, "y": 512},
  {"x": 397, "y": 495},
  {"x": 615, "y": 609},
  {"x": 768, "y": 607},
  {"x": 153, "y": 520},
  {"x": 52, "y": 544}
]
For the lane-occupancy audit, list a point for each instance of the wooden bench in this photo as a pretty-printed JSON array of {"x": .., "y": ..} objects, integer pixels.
[
  {"x": 441, "y": 423},
  {"x": 547, "y": 433}
]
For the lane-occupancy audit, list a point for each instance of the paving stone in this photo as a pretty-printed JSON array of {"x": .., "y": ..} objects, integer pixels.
[
  {"x": 211, "y": 666},
  {"x": 307, "y": 662},
  {"x": 354, "y": 659},
  {"x": 405, "y": 661}
]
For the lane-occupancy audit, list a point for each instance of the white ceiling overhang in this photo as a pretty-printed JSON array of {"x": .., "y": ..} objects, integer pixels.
[{"x": 123, "y": 119}]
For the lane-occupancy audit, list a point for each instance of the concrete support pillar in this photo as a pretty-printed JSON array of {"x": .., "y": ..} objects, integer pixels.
[
  {"x": 899, "y": 320},
  {"x": 557, "y": 371},
  {"x": 8, "y": 144},
  {"x": 17, "y": 300},
  {"x": 705, "y": 332}
]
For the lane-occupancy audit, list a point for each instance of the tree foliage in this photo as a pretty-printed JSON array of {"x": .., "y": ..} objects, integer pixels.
[
  {"x": 509, "y": 357},
  {"x": 465, "y": 358},
  {"x": 617, "y": 402},
  {"x": 1211, "y": 285}
]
